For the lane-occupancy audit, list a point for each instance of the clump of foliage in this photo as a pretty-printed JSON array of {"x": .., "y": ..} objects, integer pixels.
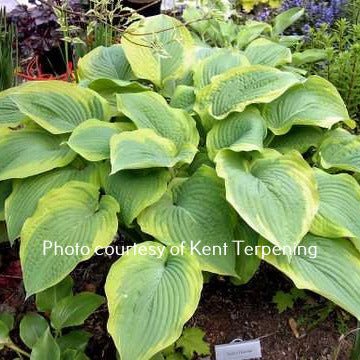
[
  {"x": 287, "y": 300},
  {"x": 190, "y": 343},
  {"x": 341, "y": 65},
  {"x": 219, "y": 25},
  {"x": 353, "y": 11},
  {"x": 189, "y": 147},
  {"x": 64, "y": 310}
]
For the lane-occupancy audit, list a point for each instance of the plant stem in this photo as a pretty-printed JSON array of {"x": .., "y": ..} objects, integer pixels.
[
  {"x": 269, "y": 139},
  {"x": 66, "y": 49},
  {"x": 355, "y": 353},
  {"x": 12, "y": 346}
]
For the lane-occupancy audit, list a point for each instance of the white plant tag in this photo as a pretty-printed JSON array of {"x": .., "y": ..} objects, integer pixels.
[{"x": 239, "y": 350}]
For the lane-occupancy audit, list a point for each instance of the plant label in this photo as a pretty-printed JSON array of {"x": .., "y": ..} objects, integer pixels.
[{"x": 239, "y": 350}]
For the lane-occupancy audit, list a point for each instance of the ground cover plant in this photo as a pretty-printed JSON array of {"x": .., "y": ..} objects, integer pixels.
[
  {"x": 64, "y": 310},
  {"x": 185, "y": 145}
]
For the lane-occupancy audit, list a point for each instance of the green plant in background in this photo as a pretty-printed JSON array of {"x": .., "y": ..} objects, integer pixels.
[
  {"x": 342, "y": 64},
  {"x": 64, "y": 310},
  {"x": 69, "y": 33},
  {"x": 190, "y": 343},
  {"x": 107, "y": 21},
  {"x": 222, "y": 28},
  {"x": 286, "y": 300},
  {"x": 353, "y": 11},
  {"x": 7, "y": 56},
  {"x": 202, "y": 144}
]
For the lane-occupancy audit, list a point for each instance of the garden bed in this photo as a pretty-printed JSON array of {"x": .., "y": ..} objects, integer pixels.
[{"x": 226, "y": 312}]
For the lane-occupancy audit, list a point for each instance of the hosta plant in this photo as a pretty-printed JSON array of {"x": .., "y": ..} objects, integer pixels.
[{"x": 192, "y": 147}]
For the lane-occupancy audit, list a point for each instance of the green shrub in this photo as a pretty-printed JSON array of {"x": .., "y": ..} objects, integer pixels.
[
  {"x": 186, "y": 143},
  {"x": 342, "y": 63}
]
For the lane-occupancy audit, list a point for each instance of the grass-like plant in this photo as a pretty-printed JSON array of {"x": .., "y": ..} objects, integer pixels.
[{"x": 7, "y": 51}]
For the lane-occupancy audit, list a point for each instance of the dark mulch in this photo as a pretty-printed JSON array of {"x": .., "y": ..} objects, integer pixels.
[{"x": 225, "y": 312}]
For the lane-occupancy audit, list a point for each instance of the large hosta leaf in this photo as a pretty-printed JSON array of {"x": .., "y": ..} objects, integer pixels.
[
  {"x": 315, "y": 102},
  {"x": 241, "y": 86},
  {"x": 339, "y": 209},
  {"x": 68, "y": 216},
  {"x": 238, "y": 132},
  {"x": 160, "y": 291},
  {"x": 300, "y": 138},
  {"x": 26, "y": 193},
  {"x": 105, "y": 62},
  {"x": 286, "y": 19},
  {"x": 58, "y": 106},
  {"x": 108, "y": 88},
  {"x": 183, "y": 98},
  {"x": 275, "y": 194},
  {"x": 144, "y": 148},
  {"x": 150, "y": 110},
  {"x": 194, "y": 210},
  {"x": 162, "y": 43},
  {"x": 266, "y": 52},
  {"x": 91, "y": 139},
  {"x": 217, "y": 64},
  {"x": 9, "y": 112},
  {"x": 136, "y": 190},
  {"x": 28, "y": 152},
  {"x": 309, "y": 56},
  {"x": 250, "y": 31},
  {"x": 329, "y": 267},
  {"x": 340, "y": 150}
]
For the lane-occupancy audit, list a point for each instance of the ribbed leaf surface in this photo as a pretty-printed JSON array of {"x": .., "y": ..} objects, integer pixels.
[
  {"x": 266, "y": 52},
  {"x": 193, "y": 210},
  {"x": 333, "y": 273},
  {"x": 143, "y": 149},
  {"x": 216, "y": 64},
  {"x": 26, "y": 193},
  {"x": 340, "y": 150},
  {"x": 91, "y": 139},
  {"x": 300, "y": 138},
  {"x": 241, "y": 86},
  {"x": 150, "y": 297},
  {"x": 70, "y": 215},
  {"x": 168, "y": 59},
  {"x": 315, "y": 102},
  {"x": 339, "y": 209},
  {"x": 150, "y": 110},
  {"x": 275, "y": 194},
  {"x": 135, "y": 190},
  {"x": 58, "y": 106},
  {"x": 238, "y": 132},
  {"x": 28, "y": 152},
  {"x": 105, "y": 62}
]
